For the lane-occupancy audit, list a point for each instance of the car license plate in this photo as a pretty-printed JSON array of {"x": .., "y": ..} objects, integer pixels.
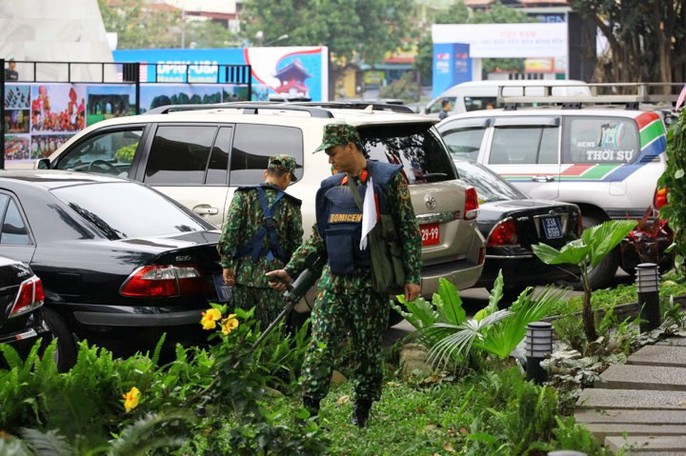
[
  {"x": 430, "y": 234},
  {"x": 223, "y": 290},
  {"x": 552, "y": 227}
]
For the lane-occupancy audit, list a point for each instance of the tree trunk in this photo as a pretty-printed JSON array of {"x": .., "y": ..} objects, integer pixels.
[{"x": 589, "y": 319}]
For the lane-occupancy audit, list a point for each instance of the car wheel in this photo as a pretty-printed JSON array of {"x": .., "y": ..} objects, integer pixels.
[
  {"x": 65, "y": 355},
  {"x": 602, "y": 275},
  {"x": 664, "y": 267}
]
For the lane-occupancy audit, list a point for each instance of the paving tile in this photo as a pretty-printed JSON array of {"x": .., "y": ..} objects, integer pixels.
[
  {"x": 641, "y": 445},
  {"x": 603, "y": 430},
  {"x": 632, "y": 399},
  {"x": 673, "y": 341},
  {"x": 659, "y": 355},
  {"x": 623, "y": 416},
  {"x": 624, "y": 376}
]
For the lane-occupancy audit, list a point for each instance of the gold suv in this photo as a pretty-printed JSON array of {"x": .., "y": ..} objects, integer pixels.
[{"x": 198, "y": 155}]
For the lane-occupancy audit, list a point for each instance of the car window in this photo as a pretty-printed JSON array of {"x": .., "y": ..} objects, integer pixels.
[
  {"x": 14, "y": 230},
  {"x": 599, "y": 140},
  {"x": 132, "y": 210},
  {"x": 436, "y": 107},
  {"x": 477, "y": 103},
  {"x": 218, "y": 169},
  {"x": 109, "y": 152},
  {"x": 464, "y": 142},
  {"x": 417, "y": 147},
  {"x": 254, "y": 144},
  {"x": 489, "y": 186},
  {"x": 524, "y": 145},
  {"x": 179, "y": 155}
]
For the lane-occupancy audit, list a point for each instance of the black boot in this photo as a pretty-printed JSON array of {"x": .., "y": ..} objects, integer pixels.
[
  {"x": 361, "y": 412},
  {"x": 311, "y": 405}
]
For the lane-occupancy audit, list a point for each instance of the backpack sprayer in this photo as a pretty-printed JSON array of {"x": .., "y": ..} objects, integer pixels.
[{"x": 296, "y": 290}]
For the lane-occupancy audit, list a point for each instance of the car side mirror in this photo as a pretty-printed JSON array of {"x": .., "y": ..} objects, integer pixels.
[{"x": 43, "y": 163}]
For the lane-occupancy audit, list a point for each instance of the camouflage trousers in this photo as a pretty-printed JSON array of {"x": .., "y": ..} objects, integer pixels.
[
  {"x": 268, "y": 303},
  {"x": 346, "y": 305}
]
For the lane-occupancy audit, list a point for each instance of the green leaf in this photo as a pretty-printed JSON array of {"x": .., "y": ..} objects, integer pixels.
[
  {"x": 605, "y": 237},
  {"x": 572, "y": 253},
  {"x": 452, "y": 310},
  {"x": 420, "y": 313},
  {"x": 493, "y": 298}
]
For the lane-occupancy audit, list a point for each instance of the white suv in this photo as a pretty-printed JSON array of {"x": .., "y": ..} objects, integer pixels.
[
  {"x": 199, "y": 155},
  {"x": 605, "y": 160}
]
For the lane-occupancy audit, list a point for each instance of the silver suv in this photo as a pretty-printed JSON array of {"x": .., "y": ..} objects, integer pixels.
[
  {"x": 606, "y": 160},
  {"x": 199, "y": 155}
]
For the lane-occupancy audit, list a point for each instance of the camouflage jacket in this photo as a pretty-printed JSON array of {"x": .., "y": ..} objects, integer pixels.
[
  {"x": 243, "y": 219},
  {"x": 400, "y": 205}
]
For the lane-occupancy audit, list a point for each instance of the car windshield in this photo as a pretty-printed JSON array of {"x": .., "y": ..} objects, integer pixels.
[
  {"x": 415, "y": 146},
  {"x": 126, "y": 210},
  {"x": 489, "y": 186}
]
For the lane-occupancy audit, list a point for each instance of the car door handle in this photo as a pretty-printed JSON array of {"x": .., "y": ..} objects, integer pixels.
[
  {"x": 543, "y": 178},
  {"x": 205, "y": 209}
]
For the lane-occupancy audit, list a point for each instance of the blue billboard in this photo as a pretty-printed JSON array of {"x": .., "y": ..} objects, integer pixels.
[
  {"x": 451, "y": 65},
  {"x": 293, "y": 71}
]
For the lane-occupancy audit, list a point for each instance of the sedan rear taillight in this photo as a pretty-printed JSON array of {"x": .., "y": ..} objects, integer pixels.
[
  {"x": 660, "y": 197},
  {"x": 503, "y": 233},
  {"x": 163, "y": 281},
  {"x": 31, "y": 295},
  {"x": 471, "y": 204}
]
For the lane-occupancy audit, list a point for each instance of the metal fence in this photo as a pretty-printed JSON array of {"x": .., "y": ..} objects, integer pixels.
[{"x": 138, "y": 75}]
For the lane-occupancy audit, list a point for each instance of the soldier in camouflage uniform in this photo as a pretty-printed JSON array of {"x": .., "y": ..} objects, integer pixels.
[
  {"x": 251, "y": 244},
  {"x": 346, "y": 300}
]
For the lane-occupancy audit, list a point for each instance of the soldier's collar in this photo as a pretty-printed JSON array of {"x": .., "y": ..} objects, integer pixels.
[{"x": 363, "y": 177}]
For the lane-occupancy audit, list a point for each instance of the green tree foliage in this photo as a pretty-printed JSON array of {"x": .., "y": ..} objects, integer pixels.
[
  {"x": 674, "y": 178},
  {"x": 646, "y": 38},
  {"x": 460, "y": 14},
  {"x": 139, "y": 26},
  {"x": 350, "y": 28}
]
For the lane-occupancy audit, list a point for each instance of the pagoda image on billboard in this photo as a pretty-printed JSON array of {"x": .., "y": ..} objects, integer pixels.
[{"x": 292, "y": 78}]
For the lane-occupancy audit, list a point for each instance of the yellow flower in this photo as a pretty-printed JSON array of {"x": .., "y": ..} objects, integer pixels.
[
  {"x": 209, "y": 319},
  {"x": 229, "y": 324},
  {"x": 131, "y": 399}
]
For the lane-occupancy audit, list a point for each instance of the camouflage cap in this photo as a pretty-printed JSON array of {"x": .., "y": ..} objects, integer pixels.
[
  {"x": 283, "y": 163},
  {"x": 338, "y": 135}
]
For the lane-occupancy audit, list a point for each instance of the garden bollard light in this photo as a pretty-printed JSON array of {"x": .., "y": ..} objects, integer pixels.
[
  {"x": 648, "y": 296},
  {"x": 539, "y": 344},
  {"x": 566, "y": 453}
]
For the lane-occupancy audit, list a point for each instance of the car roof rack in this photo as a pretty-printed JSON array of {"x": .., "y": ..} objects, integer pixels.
[
  {"x": 357, "y": 104},
  {"x": 631, "y": 94},
  {"x": 248, "y": 107}
]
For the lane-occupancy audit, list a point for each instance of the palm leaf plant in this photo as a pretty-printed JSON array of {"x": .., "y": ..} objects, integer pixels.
[
  {"x": 453, "y": 338},
  {"x": 587, "y": 252}
]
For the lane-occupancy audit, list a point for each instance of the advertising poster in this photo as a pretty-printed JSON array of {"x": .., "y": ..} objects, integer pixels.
[
  {"x": 156, "y": 95},
  {"x": 108, "y": 101},
  {"x": 451, "y": 65},
  {"x": 58, "y": 108},
  {"x": 292, "y": 70}
]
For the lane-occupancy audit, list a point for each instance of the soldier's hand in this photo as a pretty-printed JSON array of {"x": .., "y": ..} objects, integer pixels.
[
  {"x": 412, "y": 291},
  {"x": 279, "y": 279},
  {"x": 227, "y": 275}
]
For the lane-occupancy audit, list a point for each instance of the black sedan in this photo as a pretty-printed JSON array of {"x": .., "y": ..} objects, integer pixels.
[
  {"x": 22, "y": 322},
  {"x": 120, "y": 262},
  {"x": 511, "y": 222}
]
